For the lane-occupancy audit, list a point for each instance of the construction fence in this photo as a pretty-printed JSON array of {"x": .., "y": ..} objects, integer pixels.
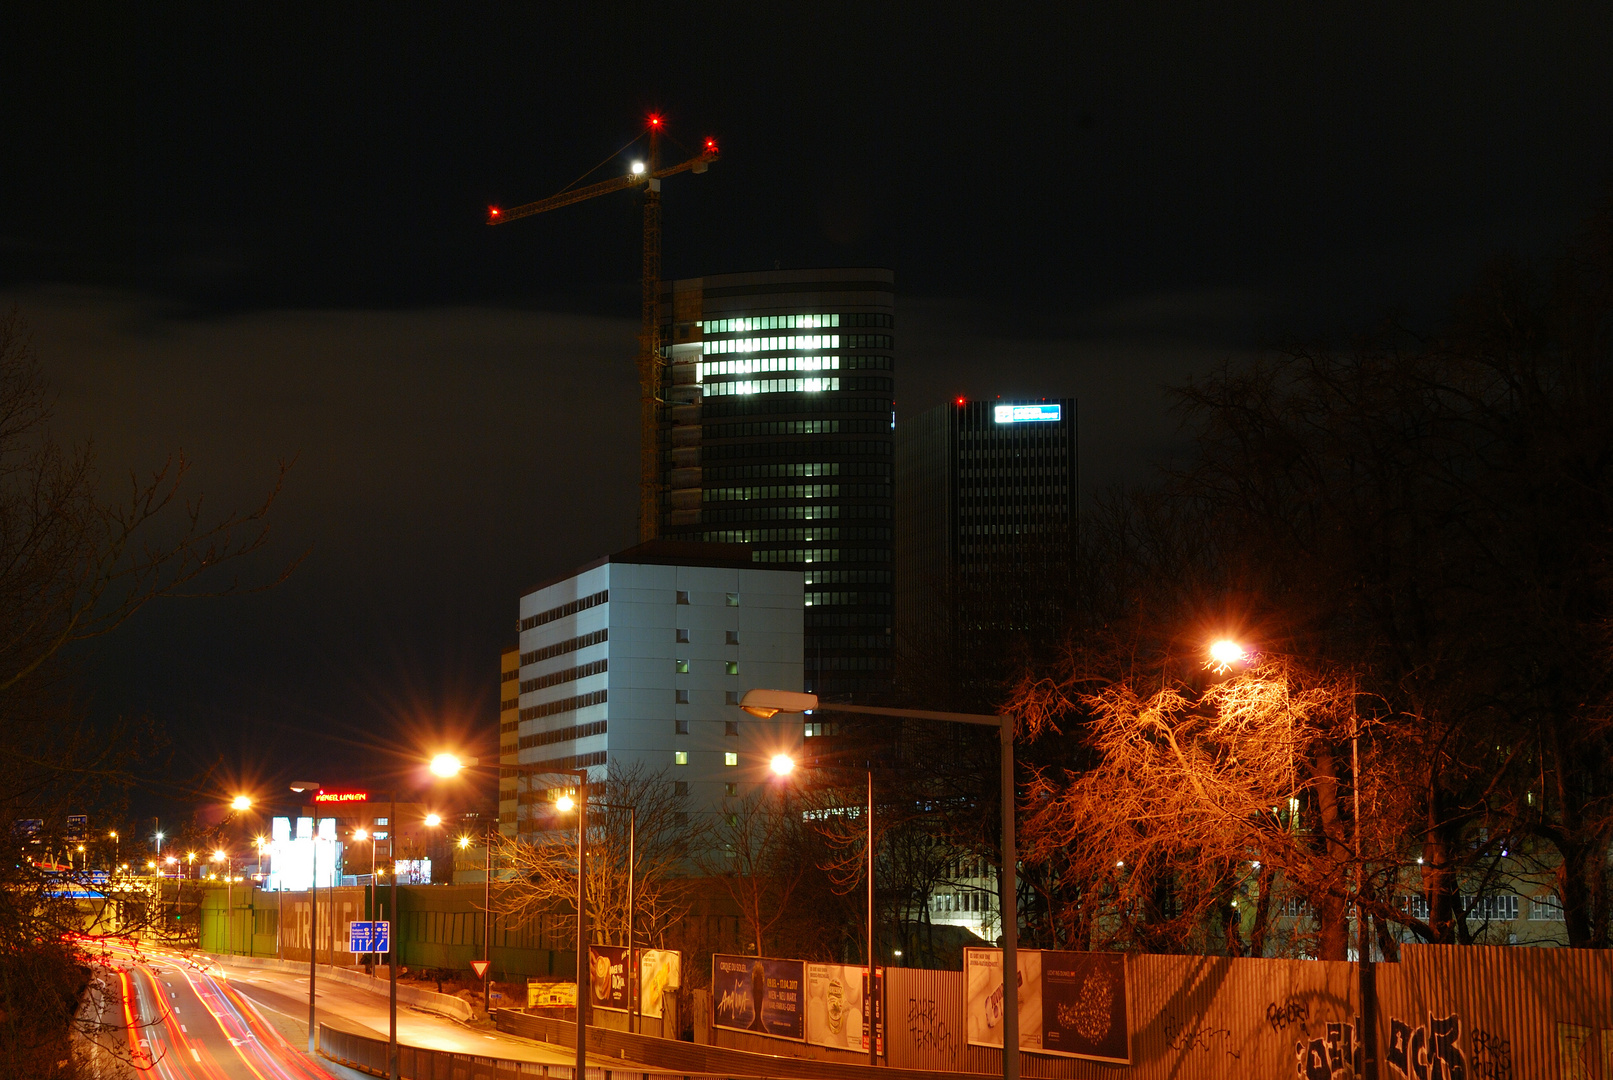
[{"x": 1441, "y": 1013}]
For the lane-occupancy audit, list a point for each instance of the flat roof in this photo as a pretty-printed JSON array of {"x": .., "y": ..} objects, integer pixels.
[{"x": 667, "y": 553}]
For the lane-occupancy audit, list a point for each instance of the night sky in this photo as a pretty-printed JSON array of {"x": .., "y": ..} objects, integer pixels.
[{"x": 255, "y": 233}]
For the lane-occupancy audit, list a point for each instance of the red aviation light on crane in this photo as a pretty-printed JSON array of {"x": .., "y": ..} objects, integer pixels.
[
  {"x": 492, "y": 215},
  {"x": 711, "y": 144},
  {"x": 655, "y": 121}
]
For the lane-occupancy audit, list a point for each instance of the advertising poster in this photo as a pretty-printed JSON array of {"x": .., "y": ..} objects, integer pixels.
[
  {"x": 1070, "y": 1004},
  {"x": 660, "y": 970},
  {"x": 546, "y": 994},
  {"x": 835, "y": 1015},
  {"x": 983, "y": 997},
  {"x": 1084, "y": 1006},
  {"x": 756, "y": 994},
  {"x": 607, "y": 977}
]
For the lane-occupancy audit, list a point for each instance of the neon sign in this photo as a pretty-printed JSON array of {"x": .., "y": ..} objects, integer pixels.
[
  {"x": 1022, "y": 414},
  {"x": 342, "y": 796}
]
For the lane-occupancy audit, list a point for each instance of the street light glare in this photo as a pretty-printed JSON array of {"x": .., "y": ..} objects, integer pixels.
[
  {"x": 1225, "y": 653},
  {"x": 241, "y": 802},
  {"x": 361, "y": 834},
  {"x": 446, "y": 765},
  {"x": 464, "y": 842},
  {"x": 782, "y": 764},
  {"x": 433, "y": 820},
  {"x": 564, "y": 803},
  {"x": 218, "y": 856}
]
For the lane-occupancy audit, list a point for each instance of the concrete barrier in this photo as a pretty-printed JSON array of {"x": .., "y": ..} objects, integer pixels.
[{"x": 425, "y": 1000}]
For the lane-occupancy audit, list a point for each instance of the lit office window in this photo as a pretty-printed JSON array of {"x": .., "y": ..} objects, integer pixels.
[
  {"x": 682, "y": 666},
  {"x": 733, "y": 667},
  {"x": 730, "y": 759},
  {"x": 680, "y": 757}
]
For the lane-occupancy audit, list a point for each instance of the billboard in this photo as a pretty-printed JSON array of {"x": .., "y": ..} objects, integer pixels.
[
  {"x": 660, "y": 970},
  {"x": 1027, "y": 414},
  {"x": 835, "y": 1015},
  {"x": 607, "y": 977},
  {"x": 548, "y": 994},
  {"x": 1071, "y": 1004},
  {"x": 760, "y": 995}
]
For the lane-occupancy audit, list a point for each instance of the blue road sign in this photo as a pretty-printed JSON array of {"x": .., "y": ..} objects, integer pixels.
[{"x": 369, "y": 937}]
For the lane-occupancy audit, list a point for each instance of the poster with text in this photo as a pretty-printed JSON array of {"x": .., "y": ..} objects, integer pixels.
[
  {"x": 607, "y": 977},
  {"x": 660, "y": 970},
  {"x": 1084, "y": 1006},
  {"x": 835, "y": 1015},
  {"x": 1070, "y": 1004},
  {"x": 983, "y": 997},
  {"x": 759, "y": 995}
]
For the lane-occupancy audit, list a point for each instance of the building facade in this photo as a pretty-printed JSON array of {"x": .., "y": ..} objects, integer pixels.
[
  {"x": 778, "y": 433},
  {"x": 509, "y": 737},
  {"x": 985, "y": 521},
  {"x": 640, "y": 659}
]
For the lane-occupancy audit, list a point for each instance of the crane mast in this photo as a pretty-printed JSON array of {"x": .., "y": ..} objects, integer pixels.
[{"x": 651, "y": 364}]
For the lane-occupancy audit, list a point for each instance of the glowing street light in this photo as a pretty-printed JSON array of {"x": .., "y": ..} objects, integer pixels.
[
  {"x": 1225, "y": 653},
  {"x": 782, "y": 764},
  {"x": 446, "y": 765},
  {"x": 241, "y": 802},
  {"x": 433, "y": 820},
  {"x": 564, "y": 803}
]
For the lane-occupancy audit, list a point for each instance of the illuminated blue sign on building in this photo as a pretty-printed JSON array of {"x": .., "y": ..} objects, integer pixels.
[{"x": 1025, "y": 414}]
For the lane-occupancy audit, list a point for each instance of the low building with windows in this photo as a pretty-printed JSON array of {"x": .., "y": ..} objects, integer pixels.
[{"x": 640, "y": 659}]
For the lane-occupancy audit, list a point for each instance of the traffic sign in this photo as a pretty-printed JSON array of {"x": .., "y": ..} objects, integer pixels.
[
  {"x": 480, "y": 968},
  {"x": 369, "y": 937}
]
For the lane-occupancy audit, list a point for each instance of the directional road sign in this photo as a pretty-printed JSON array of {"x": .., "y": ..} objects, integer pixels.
[{"x": 369, "y": 937}]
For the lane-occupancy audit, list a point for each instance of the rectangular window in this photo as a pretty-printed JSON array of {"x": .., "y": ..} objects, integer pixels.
[
  {"x": 680, "y": 757},
  {"x": 730, "y": 789},
  {"x": 683, "y": 597},
  {"x": 680, "y": 787},
  {"x": 733, "y": 637},
  {"x": 682, "y": 666},
  {"x": 380, "y": 821},
  {"x": 733, "y": 667},
  {"x": 680, "y": 727},
  {"x": 730, "y": 758},
  {"x": 730, "y": 727},
  {"x": 683, "y": 636},
  {"x": 680, "y": 697},
  {"x": 733, "y": 599},
  {"x": 731, "y": 697}
]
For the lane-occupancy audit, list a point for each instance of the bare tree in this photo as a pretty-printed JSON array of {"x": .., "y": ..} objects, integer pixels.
[{"x": 544, "y": 862}]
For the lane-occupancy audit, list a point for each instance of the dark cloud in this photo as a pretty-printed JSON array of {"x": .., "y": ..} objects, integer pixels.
[{"x": 256, "y": 234}]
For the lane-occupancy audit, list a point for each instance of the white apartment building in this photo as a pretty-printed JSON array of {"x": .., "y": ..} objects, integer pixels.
[{"x": 643, "y": 656}]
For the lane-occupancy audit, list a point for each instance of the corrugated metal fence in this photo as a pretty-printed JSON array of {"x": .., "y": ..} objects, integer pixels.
[{"x": 1481, "y": 1013}]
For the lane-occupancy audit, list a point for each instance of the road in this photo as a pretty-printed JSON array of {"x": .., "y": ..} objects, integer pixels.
[
  {"x": 172, "y": 1019},
  {"x": 182, "y": 1017}
]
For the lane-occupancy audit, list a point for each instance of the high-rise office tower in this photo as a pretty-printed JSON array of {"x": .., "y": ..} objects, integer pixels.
[
  {"x": 985, "y": 524},
  {"x": 778, "y": 434}
]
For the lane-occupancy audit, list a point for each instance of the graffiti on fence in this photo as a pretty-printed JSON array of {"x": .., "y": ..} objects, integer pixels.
[
  {"x": 1337, "y": 1053},
  {"x": 1577, "y": 1051},
  {"x": 1431, "y": 1051},
  {"x": 1179, "y": 1035},
  {"x": 1491, "y": 1057},
  {"x": 928, "y": 1030},
  {"x": 1288, "y": 1013}
]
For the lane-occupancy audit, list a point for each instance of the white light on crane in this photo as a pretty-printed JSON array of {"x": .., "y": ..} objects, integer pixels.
[{"x": 638, "y": 168}]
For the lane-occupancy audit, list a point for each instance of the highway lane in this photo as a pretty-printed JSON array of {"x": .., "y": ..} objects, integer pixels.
[{"x": 182, "y": 1021}]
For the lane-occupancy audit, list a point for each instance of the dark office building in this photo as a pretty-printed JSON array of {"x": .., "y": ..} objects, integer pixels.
[
  {"x": 778, "y": 434},
  {"x": 985, "y": 521}
]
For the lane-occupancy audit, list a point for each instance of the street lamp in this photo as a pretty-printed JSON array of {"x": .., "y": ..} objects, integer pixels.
[
  {"x": 449, "y": 765},
  {"x": 769, "y": 703},
  {"x": 564, "y": 804},
  {"x": 313, "y": 918},
  {"x": 241, "y": 802},
  {"x": 229, "y": 898}
]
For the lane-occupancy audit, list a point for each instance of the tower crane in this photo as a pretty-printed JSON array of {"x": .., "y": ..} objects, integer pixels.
[{"x": 647, "y": 174}]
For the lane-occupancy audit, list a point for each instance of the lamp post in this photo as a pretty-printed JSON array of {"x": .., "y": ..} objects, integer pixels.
[
  {"x": 447, "y": 765},
  {"x": 313, "y": 917},
  {"x": 229, "y": 897},
  {"x": 769, "y": 703},
  {"x": 117, "y": 848},
  {"x": 633, "y": 974}
]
